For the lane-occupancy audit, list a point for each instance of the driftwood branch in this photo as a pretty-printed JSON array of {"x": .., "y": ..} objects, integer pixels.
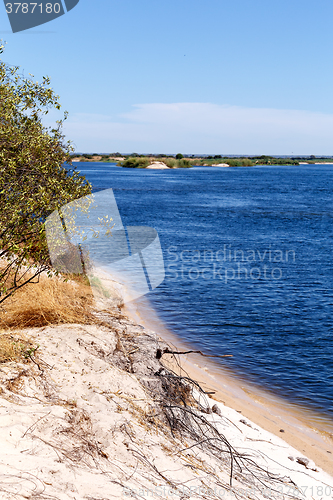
[{"x": 159, "y": 353}]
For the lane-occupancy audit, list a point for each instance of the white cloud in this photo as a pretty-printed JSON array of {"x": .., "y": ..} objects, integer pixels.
[{"x": 203, "y": 128}]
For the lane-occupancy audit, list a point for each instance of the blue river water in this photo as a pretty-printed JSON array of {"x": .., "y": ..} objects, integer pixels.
[{"x": 249, "y": 266}]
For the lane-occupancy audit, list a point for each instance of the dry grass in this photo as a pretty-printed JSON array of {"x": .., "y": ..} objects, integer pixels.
[
  {"x": 9, "y": 348},
  {"x": 50, "y": 301},
  {"x": 14, "y": 347}
]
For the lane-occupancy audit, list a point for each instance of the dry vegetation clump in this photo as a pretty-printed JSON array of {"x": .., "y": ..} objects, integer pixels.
[
  {"x": 9, "y": 349},
  {"x": 14, "y": 348},
  {"x": 49, "y": 301}
]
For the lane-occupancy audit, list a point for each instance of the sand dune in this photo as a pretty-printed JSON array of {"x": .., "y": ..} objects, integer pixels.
[
  {"x": 158, "y": 165},
  {"x": 89, "y": 417}
]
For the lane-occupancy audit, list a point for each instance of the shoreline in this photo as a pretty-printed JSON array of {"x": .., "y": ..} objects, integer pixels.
[
  {"x": 100, "y": 411},
  {"x": 94, "y": 427},
  {"x": 299, "y": 427}
]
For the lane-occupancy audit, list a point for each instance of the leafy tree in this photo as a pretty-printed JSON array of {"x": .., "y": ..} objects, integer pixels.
[
  {"x": 36, "y": 176},
  {"x": 179, "y": 156}
]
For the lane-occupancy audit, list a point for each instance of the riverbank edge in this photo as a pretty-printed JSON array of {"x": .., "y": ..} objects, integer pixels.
[
  {"x": 286, "y": 421},
  {"x": 81, "y": 395}
]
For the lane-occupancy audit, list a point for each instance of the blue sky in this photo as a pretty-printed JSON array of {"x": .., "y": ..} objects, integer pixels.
[{"x": 229, "y": 77}]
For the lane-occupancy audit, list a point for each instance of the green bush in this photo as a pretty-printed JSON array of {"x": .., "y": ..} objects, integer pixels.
[
  {"x": 184, "y": 163},
  {"x": 170, "y": 162},
  {"x": 173, "y": 163},
  {"x": 135, "y": 162}
]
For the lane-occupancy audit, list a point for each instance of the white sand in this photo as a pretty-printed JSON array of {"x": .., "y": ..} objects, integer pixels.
[
  {"x": 79, "y": 427},
  {"x": 83, "y": 420},
  {"x": 158, "y": 165}
]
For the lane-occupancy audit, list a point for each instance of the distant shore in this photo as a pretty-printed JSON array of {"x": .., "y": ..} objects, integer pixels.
[{"x": 141, "y": 161}]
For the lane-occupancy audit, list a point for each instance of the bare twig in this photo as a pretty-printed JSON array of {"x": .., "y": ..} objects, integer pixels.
[{"x": 160, "y": 352}]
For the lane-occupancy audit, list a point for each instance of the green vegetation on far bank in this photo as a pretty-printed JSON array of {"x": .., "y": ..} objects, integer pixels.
[
  {"x": 144, "y": 162},
  {"x": 248, "y": 161},
  {"x": 135, "y": 160},
  {"x": 85, "y": 157}
]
